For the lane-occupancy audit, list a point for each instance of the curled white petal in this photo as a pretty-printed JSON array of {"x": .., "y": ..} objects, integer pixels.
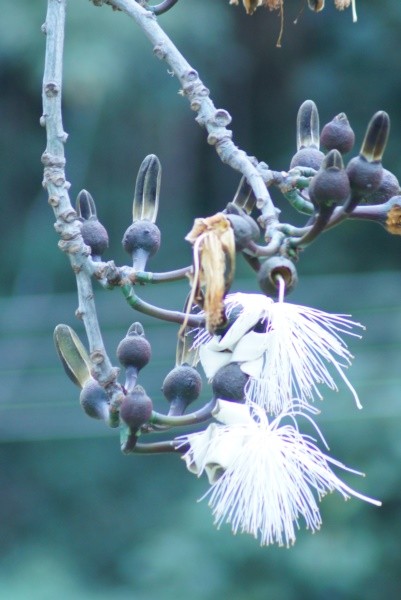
[{"x": 271, "y": 476}]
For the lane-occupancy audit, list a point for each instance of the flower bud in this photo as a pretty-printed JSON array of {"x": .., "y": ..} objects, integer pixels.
[
  {"x": 389, "y": 187},
  {"x": 338, "y": 134},
  {"x": 308, "y": 153},
  {"x": 330, "y": 185},
  {"x": 93, "y": 233},
  {"x": 136, "y": 408},
  {"x": 142, "y": 241},
  {"x": 229, "y": 383},
  {"x": 244, "y": 227},
  {"x": 94, "y": 400},
  {"x": 181, "y": 387},
  {"x": 365, "y": 171},
  {"x": 134, "y": 353},
  {"x": 271, "y": 269}
]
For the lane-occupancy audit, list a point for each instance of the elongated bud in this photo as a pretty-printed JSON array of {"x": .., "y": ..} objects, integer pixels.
[
  {"x": 330, "y": 185},
  {"x": 308, "y": 153},
  {"x": 72, "y": 354},
  {"x": 376, "y": 137},
  {"x": 94, "y": 400},
  {"x": 229, "y": 383},
  {"x": 365, "y": 171},
  {"x": 338, "y": 134},
  {"x": 134, "y": 353},
  {"x": 93, "y": 233},
  {"x": 181, "y": 387},
  {"x": 147, "y": 190},
  {"x": 271, "y": 269},
  {"x": 308, "y": 125},
  {"x": 244, "y": 197},
  {"x": 142, "y": 239}
]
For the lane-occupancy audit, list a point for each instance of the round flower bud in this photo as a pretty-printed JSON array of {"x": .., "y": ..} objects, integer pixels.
[
  {"x": 245, "y": 230},
  {"x": 94, "y": 400},
  {"x": 95, "y": 236},
  {"x": 389, "y": 187},
  {"x": 338, "y": 135},
  {"x": 309, "y": 157},
  {"x": 330, "y": 185},
  {"x": 142, "y": 235},
  {"x": 229, "y": 383},
  {"x": 181, "y": 387},
  {"x": 136, "y": 408},
  {"x": 273, "y": 267},
  {"x": 134, "y": 350},
  {"x": 364, "y": 176}
]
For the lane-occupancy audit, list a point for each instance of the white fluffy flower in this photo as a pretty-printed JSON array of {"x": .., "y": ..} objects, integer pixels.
[
  {"x": 289, "y": 354},
  {"x": 265, "y": 476}
]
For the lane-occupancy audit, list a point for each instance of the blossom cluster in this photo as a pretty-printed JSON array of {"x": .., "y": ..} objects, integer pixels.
[{"x": 265, "y": 475}]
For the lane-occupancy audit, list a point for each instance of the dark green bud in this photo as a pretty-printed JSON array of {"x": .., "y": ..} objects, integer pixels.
[
  {"x": 181, "y": 387},
  {"x": 94, "y": 400},
  {"x": 229, "y": 383},
  {"x": 338, "y": 135},
  {"x": 134, "y": 350},
  {"x": 330, "y": 185},
  {"x": 142, "y": 241},
  {"x": 389, "y": 187},
  {"x": 136, "y": 408}
]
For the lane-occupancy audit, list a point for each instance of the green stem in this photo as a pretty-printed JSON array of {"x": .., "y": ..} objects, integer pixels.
[
  {"x": 199, "y": 416},
  {"x": 159, "y": 313}
]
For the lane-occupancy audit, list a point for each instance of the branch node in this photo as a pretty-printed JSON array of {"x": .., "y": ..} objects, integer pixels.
[
  {"x": 160, "y": 51},
  {"x": 220, "y": 138},
  {"x": 222, "y": 118},
  {"x": 52, "y": 89},
  {"x": 54, "y": 201},
  {"x": 97, "y": 357}
]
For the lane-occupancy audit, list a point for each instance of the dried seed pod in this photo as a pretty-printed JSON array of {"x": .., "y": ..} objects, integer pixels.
[
  {"x": 93, "y": 233},
  {"x": 338, "y": 134},
  {"x": 181, "y": 387},
  {"x": 271, "y": 269},
  {"x": 136, "y": 408},
  {"x": 229, "y": 383},
  {"x": 330, "y": 185},
  {"x": 94, "y": 400}
]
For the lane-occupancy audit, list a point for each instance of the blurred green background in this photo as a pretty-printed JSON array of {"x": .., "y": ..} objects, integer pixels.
[{"x": 78, "y": 519}]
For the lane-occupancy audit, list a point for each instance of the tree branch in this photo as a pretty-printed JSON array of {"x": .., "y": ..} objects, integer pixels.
[
  {"x": 57, "y": 187},
  {"x": 214, "y": 120}
]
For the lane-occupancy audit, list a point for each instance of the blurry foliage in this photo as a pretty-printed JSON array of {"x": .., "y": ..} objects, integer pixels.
[{"x": 78, "y": 519}]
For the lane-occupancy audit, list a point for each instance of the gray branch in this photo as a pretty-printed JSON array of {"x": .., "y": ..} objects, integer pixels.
[
  {"x": 57, "y": 187},
  {"x": 214, "y": 120}
]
